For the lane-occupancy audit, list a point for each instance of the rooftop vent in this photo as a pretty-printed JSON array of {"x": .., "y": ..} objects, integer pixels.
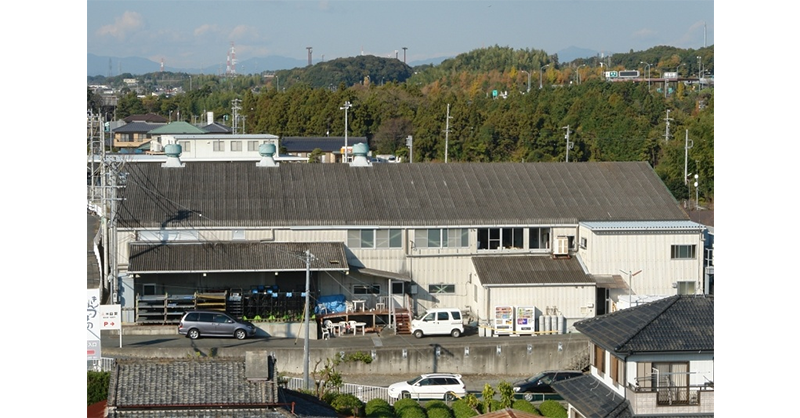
[
  {"x": 173, "y": 152},
  {"x": 267, "y": 151},
  {"x": 360, "y": 151}
]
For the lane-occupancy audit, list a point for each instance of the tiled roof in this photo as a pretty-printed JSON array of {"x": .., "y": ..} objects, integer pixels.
[
  {"x": 677, "y": 323},
  {"x": 177, "y": 128},
  {"x": 216, "y": 128},
  {"x": 325, "y": 143},
  {"x": 234, "y": 256},
  {"x": 528, "y": 270},
  {"x": 138, "y": 127},
  {"x": 592, "y": 398},
  {"x": 240, "y": 194},
  {"x": 170, "y": 383}
]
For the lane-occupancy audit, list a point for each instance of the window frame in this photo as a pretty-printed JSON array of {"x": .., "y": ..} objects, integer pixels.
[
  {"x": 683, "y": 252},
  {"x": 443, "y": 289},
  {"x": 380, "y": 238}
]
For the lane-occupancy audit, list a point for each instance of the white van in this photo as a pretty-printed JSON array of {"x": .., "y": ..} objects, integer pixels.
[{"x": 439, "y": 321}]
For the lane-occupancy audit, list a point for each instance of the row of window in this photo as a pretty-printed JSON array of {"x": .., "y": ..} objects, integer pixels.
[
  {"x": 375, "y": 289},
  {"x": 186, "y": 146}
]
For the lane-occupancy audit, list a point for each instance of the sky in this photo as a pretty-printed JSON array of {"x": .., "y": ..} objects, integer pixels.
[{"x": 200, "y": 33}]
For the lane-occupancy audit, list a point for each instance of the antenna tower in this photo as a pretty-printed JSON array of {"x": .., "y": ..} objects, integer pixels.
[
  {"x": 162, "y": 65},
  {"x": 309, "y": 55},
  {"x": 233, "y": 59}
]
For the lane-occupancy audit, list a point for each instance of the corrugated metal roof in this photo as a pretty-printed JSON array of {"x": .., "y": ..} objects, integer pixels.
[
  {"x": 240, "y": 194},
  {"x": 528, "y": 270},
  {"x": 146, "y": 257},
  {"x": 593, "y": 398},
  {"x": 642, "y": 225}
]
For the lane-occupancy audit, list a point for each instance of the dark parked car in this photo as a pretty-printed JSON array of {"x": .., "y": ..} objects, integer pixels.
[
  {"x": 541, "y": 382},
  {"x": 195, "y": 324}
]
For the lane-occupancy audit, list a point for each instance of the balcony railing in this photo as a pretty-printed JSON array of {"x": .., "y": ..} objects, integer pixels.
[{"x": 674, "y": 395}]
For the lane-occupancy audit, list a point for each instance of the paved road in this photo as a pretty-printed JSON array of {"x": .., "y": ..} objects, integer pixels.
[{"x": 384, "y": 339}]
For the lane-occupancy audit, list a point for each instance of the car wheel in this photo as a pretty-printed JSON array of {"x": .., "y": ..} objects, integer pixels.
[
  {"x": 240, "y": 334},
  {"x": 528, "y": 397},
  {"x": 449, "y": 396},
  {"x": 418, "y": 333},
  {"x": 193, "y": 334},
  {"x": 455, "y": 333},
  {"x": 405, "y": 395}
]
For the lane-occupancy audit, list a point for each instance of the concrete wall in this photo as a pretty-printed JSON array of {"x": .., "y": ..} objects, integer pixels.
[{"x": 493, "y": 356}]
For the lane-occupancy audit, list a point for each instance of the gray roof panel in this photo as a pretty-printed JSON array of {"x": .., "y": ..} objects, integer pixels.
[
  {"x": 529, "y": 270},
  {"x": 239, "y": 194}
]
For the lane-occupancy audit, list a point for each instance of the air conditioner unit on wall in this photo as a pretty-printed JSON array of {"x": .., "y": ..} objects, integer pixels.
[{"x": 561, "y": 246}]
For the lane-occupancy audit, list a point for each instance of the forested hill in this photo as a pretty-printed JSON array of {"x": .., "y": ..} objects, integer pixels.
[{"x": 493, "y": 114}]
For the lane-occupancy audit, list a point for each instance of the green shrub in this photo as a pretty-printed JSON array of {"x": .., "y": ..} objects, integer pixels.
[
  {"x": 524, "y": 406},
  {"x": 408, "y": 408},
  {"x": 379, "y": 408},
  {"x": 97, "y": 387},
  {"x": 552, "y": 409},
  {"x": 438, "y": 409},
  {"x": 461, "y": 409},
  {"x": 347, "y": 404}
]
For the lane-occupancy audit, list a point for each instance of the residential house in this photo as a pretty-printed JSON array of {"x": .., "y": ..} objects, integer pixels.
[
  {"x": 156, "y": 144},
  {"x": 476, "y": 236},
  {"x": 331, "y": 146},
  {"x": 652, "y": 360},
  {"x": 131, "y": 136},
  {"x": 206, "y": 386}
]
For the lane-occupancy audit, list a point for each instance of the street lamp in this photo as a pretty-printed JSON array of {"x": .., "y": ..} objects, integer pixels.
[
  {"x": 540, "y": 75},
  {"x": 648, "y": 73},
  {"x": 346, "y": 106},
  {"x": 579, "y": 73},
  {"x": 529, "y": 79}
]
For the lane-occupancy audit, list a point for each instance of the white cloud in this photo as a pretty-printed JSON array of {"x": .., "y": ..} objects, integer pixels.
[
  {"x": 207, "y": 28},
  {"x": 122, "y": 26}
]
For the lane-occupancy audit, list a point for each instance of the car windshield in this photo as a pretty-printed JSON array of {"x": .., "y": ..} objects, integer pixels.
[
  {"x": 535, "y": 378},
  {"x": 414, "y": 380}
]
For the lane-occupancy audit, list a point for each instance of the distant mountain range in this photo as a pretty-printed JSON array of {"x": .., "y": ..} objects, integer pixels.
[{"x": 112, "y": 66}]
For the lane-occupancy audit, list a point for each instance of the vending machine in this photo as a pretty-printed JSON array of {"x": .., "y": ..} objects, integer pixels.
[
  {"x": 525, "y": 320},
  {"x": 503, "y": 322}
]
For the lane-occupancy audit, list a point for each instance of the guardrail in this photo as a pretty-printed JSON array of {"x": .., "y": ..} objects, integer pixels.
[
  {"x": 365, "y": 393},
  {"x": 105, "y": 364}
]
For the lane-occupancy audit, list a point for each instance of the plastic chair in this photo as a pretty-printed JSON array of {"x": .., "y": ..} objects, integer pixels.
[{"x": 326, "y": 330}]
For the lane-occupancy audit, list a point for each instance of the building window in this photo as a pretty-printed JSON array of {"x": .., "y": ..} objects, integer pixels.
[
  {"x": 583, "y": 243},
  {"x": 599, "y": 359},
  {"x": 219, "y": 146},
  {"x": 438, "y": 289},
  {"x": 686, "y": 288},
  {"x": 441, "y": 238},
  {"x": 683, "y": 252},
  {"x": 252, "y": 145},
  {"x": 374, "y": 238},
  {"x": 236, "y": 145},
  {"x": 539, "y": 238},
  {"x": 366, "y": 289},
  {"x": 186, "y": 146},
  {"x": 498, "y": 238}
]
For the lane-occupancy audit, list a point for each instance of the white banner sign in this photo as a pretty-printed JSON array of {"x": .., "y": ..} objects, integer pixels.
[{"x": 93, "y": 324}]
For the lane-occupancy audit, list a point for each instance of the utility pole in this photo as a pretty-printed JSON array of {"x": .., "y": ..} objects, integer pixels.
[
  {"x": 688, "y": 144},
  {"x": 446, "y": 132},
  {"x": 410, "y": 145},
  {"x": 306, "y": 351},
  {"x": 235, "y": 106},
  {"x": 667, "y": 119},
  {"x": 569, "y": 144},
  {"x": 346, "y": 106}
]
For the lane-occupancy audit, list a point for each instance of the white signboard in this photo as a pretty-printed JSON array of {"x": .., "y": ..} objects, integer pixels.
[
  {"x": 110, "y": 317},
  {"x": 93, "y": 324}
]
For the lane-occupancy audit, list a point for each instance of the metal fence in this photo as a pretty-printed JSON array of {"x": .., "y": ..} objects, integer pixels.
[
  {"x": 105, "y": 364},
  {"x": 362, "y": 392}
]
